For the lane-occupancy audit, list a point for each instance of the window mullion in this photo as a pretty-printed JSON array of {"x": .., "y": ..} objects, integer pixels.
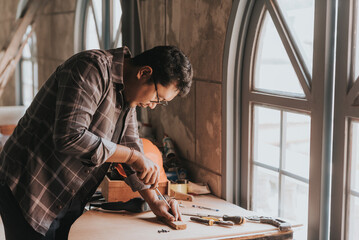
[
  {"x": 96, "y": 24},
  {"x": 282, "y": 129},
  {"x": 343, "y": 109},
  {"x": 291, "y": 48}
]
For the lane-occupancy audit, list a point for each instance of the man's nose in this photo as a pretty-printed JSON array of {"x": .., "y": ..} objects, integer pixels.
[{"x": 152, "y": 105}]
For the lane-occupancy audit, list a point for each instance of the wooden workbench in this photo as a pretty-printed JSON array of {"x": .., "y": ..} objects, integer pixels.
[{"x": 94, "y": 225}]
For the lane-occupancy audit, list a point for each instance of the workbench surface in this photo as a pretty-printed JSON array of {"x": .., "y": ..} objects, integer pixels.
[{"x": 94, "y": 224}]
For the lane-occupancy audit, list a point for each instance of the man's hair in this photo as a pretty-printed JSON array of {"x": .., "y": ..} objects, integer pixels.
[{"x": 169, "y": 65}]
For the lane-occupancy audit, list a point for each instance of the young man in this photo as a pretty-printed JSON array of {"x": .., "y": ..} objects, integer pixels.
[{"x": 83, "y": 119}]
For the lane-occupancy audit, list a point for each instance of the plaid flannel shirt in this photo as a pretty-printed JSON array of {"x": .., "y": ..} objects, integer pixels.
[{"x": 61, "y": 143}]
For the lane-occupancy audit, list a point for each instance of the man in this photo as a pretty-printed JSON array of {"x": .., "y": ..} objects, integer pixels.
[{"x": 83, "y": 119}]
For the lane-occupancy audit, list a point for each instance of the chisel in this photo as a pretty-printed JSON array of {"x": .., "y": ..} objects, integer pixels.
[{"x": 210, "y": 222}]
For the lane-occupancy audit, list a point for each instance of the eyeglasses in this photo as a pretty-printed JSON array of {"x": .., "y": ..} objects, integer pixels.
[{"x": 163, "y": 103}]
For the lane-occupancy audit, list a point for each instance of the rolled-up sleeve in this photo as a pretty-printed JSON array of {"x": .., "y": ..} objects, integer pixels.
[{"x": 80, "y": 91}]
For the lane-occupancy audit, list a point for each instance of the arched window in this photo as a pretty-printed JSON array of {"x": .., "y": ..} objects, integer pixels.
[
  {"x": 98, "y": 24},
  {"x": 279, "y": 112},
  {"x": 27, "y": 69}
]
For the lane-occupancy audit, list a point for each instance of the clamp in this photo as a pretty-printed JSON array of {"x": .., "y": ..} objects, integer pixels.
[{"x": 281, "y": 224}]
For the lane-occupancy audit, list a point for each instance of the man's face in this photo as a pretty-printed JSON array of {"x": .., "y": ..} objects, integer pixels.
[{"x": 147, "y": 96}]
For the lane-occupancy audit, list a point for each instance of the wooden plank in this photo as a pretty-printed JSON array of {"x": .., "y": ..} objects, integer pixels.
[{"x": 177, "y": 225}]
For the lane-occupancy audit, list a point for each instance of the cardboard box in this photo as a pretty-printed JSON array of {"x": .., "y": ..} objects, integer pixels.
[{"x": 116, "y": 190}]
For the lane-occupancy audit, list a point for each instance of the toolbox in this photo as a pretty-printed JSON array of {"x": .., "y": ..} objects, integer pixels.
[{"x": 118, "y": 190}]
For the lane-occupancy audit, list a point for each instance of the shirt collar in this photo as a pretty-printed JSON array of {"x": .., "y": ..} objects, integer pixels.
[{"x": 118, "y": 55}]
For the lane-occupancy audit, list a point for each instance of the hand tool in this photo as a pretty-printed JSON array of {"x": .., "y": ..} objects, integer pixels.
[
  {"x": 163, "y": 198},
  {"x": 281, "y": 224},
  {"x": 207, "y": 208},
  {"x": 235, "y": 219},
  {"x": 135, "y": 205},
  {"x": 210, "y": 222}
]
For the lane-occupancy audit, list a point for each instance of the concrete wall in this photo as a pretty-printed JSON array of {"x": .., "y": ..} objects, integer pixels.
[
  {"x": 55, "y": 38},
  {"x": 198, "y": 27}
]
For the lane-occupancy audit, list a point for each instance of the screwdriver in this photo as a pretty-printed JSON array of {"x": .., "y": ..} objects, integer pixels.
[{"x": 163, "y": 198}]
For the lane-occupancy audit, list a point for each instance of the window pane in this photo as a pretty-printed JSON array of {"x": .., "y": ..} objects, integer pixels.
[
  {"x": 27, "y": 94},
  {"x": 97, "y": 7},
  {"x": 91, "y": 39},
  {"x": 266, "y": 136},
  {"x": 26, "y": 52},
  {"x": 355, "y": 157},
  {"x": 356, "y": 35},
  {"x": 294, "y": 202},
  {"x": 297, "y": 144},
  {"x": 117, "y": 13},
  {"x": 354, "y": 218},
  {"x": 299, "y": 16},
  {"x": 265, "y": 191},
  {"x": 274, "y": 72},
  {"x": 26, "y": 72}
]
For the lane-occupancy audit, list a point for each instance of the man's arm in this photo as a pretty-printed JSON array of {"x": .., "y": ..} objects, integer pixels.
[
  {"x": 81, "y": 85},
  {"x": 147, "y": 170}
]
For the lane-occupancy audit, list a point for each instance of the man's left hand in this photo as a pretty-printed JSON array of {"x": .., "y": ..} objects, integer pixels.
[
  {"x": 160, "y": 209},
  {"x": 159, "y": 206}
]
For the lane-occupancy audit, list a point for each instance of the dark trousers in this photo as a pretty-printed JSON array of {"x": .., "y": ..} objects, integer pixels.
[{"x": 17, "y": 228}]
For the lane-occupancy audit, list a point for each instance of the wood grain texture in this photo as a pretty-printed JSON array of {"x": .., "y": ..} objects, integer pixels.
[
  {"x": 94, "y": 225},
  {"x": 178, "y": 225},
  {"x": 181, "y": 196}
]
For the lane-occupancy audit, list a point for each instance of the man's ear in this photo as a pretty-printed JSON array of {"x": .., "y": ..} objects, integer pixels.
[{"x": 144, "y": 73}]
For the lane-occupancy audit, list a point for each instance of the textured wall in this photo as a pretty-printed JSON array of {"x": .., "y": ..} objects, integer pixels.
[
  {"x": 198, "y": 27},
  {"x": 7, "y": 19},
  {"x": 55, "y": 38}
]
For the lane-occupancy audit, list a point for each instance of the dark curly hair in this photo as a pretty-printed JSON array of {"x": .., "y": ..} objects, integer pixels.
[{"x": 169, "y": 64}]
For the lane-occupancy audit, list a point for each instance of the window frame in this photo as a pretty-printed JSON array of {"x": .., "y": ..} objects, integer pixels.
[
  {"x": 346, "y": 89},
  {"x": 237, "y": 138},
  {"x": 105, "y": 42}
]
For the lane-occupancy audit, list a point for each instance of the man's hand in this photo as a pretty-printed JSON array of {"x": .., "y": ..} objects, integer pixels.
[
  {"x": 147, "y": 171},
  {"x": 160, "y": 208}
]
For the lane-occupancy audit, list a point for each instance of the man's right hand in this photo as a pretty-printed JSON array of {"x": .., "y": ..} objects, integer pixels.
[{"x": 147, "y": 171}]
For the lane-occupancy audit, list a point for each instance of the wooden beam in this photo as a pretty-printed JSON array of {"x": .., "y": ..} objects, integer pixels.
[
  {"x": 10, "y": 68},
  {"x": 11, "y": 51}
]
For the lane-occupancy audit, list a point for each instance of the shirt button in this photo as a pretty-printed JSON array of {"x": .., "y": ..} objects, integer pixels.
[
  {"x": 59, "y": 206},
  {"x": 87, "y": 171},
  {"x": 72, "y": 190}
]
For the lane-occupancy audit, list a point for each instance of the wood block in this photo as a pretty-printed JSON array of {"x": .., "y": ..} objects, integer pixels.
[
  {"x": 181, "y": 196},
  {"x": 177, "y": 225},
  {"x": 117, "y": 190}
]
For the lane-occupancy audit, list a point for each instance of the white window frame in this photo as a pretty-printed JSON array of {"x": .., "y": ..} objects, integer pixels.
[
  {"x": 237, "y": 167},
  {"x": 345, "y": 94}
]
